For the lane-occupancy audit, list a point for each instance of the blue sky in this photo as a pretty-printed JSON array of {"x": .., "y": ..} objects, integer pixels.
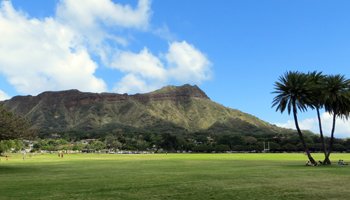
[{"x": 234, "y": 50}]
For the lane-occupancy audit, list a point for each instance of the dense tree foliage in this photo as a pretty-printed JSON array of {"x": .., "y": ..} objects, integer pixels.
[
  {"x": 11, "y": 145},
  {"x": 201, "y": 142},
  {"x": 13, "y": 126}
]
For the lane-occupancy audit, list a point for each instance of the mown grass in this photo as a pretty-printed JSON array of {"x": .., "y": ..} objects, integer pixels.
[{"x": 172, "y": 176}]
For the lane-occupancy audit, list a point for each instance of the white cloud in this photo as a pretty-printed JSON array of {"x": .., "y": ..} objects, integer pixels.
[
  {"x": 183, "y": 63},
  {"x": 144, "y": 64},
  {"x": 38, "y": 55},
  {"x": 187, "y": 64},
  {"x": 165, "y": 33},
  {"x": 63, "y": 51},
  {"x": 95, "y": 22},
  {"x": 3, "y": 96},
  {"x": 53, "y": 53},
  {"x": 89, "y": 14},
  {"x": 342, "y": 128},
  {"x": 132, "y": 84}
]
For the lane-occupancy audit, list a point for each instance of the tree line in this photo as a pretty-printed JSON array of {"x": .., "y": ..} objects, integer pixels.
[{"x": 168, "y": 142}]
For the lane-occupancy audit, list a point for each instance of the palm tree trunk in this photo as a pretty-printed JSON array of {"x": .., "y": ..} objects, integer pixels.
[
  {"x": 321, "y": 132},
  {"x": 311, "y": 159},
  {"x": 330, "y": 147}
]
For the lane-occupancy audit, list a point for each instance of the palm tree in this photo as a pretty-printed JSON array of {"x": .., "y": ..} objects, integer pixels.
[
  {"x": 294, "y": 90},
  {"x": 337, "y": 103},
  {"x": 317, "y": 97}
]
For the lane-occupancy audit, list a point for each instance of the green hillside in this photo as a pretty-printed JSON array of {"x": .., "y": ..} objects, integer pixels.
[{"x": 184, "y": 108}]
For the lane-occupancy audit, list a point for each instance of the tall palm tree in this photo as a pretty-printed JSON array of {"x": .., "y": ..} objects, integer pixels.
[
  {"x": 317, "y": 97},
  {"x": 294, "y": 90},
  {"x": 337, "y": 102}
]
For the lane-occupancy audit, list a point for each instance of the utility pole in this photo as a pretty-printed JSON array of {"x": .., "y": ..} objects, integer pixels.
[{"x": 268, "y": 147}]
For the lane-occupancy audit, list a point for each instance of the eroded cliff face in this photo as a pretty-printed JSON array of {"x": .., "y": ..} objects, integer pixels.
[
  {"x": 187, "y": 107},
  {"x": 72, "y": 98}
]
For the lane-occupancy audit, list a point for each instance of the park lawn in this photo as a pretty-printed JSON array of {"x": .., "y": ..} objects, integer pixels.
[{"x": 172, "y": 176}]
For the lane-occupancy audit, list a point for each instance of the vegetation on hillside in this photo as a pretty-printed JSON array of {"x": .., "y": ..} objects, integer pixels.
[
  {"x": 173, "y": 119},
  {"x": 182, "y": 110}
]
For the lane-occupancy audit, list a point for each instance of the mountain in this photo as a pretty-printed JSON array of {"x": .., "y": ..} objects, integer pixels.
[{"x": 185, "y": 109}]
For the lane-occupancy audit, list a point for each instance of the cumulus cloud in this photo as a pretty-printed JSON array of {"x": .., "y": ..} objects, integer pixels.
[
  {"x": 3, "y": 96},
  {"x": 183, "y": 63},
  {"x": 144, "y": 64},
  {"x": 65, "y": 50},
  {"x": 37, "y": 55},
  {"x": 187, "y": 64},
  {"x": 131, "y": 83},
  {"x": 89, "y": 14},
  {"x": 342, "y": 128},
  {"x": 96, "y": 21},
  {"x": 53, "y": 53}
]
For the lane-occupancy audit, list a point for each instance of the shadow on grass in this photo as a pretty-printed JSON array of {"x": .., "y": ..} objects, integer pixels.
[
  {"x": 330, "y": 168},
  {"x": 12, "y": 169}
]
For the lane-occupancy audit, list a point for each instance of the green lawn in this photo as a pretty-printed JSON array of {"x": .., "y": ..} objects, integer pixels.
[{"x": 172, "y": 176}]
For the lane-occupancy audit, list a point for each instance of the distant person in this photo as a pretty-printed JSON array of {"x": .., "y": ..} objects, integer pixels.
[
  {"x": 24, "y": 154},
  {"x": 341, "y": 162}
]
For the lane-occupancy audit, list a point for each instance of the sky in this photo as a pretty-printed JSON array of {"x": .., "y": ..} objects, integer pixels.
[{"x": 234, "y": 50}]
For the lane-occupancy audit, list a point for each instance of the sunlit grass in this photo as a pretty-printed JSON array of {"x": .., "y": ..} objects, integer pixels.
[{"x": 172, "y": 176}]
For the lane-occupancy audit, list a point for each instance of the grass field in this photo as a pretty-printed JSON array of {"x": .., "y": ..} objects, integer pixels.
[{"x": 172, "y": 176}]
